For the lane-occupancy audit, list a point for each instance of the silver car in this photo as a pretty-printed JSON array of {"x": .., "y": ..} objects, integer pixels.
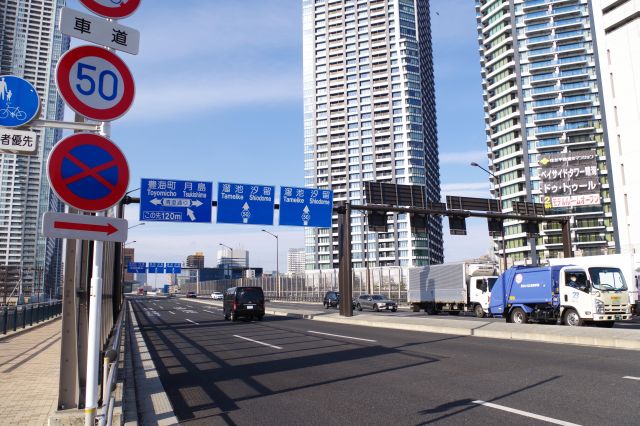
[
  {"x": 216, "y": 295},
  {"x": 375, "y": 302}
]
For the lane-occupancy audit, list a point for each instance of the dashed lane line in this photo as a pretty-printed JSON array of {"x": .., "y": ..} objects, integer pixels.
[
  {"x": 257, "y": 341},
  {"x": 171, "y": 312},
  {"x": 344, "y": 337},
  {"x": 193, "y": 322},
  {"x": 525, "y": 413},
  {"x": 631, "y": 378}
]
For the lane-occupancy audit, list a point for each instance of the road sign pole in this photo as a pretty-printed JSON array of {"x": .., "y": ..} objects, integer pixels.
[{"x": 93, "y": 344}]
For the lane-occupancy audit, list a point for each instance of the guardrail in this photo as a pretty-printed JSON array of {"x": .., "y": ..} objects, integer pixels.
[
  {"x": 110, "y": 363},
  {"x": 23, "y": 316}
]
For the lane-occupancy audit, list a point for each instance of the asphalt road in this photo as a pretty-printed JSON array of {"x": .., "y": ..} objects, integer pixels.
[{"x": 288, "y": 371}]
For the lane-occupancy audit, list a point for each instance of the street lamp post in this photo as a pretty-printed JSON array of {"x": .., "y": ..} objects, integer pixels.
[
  {"x": 497, "y": 183},
  {"x": 277, "y": 262}
]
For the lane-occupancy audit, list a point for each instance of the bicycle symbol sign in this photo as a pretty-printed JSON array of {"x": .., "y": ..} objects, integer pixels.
[
  {"x": 95, "y": 83},
  {"x": 115, "y": 9},
  {"x": 19, "y": 101}
]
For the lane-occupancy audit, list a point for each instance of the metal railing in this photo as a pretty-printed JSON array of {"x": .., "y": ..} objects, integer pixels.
[
  {"x": 110, "y": 363},
  {"x": 23, "y": 316}
]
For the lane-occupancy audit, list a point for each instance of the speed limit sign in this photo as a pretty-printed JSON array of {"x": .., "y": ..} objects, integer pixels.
[{"x": 95, "y": 83}]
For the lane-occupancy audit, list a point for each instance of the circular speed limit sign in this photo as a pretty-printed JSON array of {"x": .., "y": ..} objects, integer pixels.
[{"x": 95, "y": 83}]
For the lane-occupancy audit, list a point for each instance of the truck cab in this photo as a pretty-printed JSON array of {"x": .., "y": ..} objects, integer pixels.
[
  {"x": 480, "y": 293},
  {"x": 569, "y": 293},
  {"x": 597, "y": 293}
]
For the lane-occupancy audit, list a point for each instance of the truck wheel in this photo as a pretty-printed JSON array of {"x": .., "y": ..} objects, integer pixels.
[
  {"x": 605, "y": 324},
  {"x": 431, "y": 309},
  {"x": 478, "y": 311},
  {"x": 519, "y": 316},
  {"x": 571, "y": 318},
  {"x": 415, "y": 308}
]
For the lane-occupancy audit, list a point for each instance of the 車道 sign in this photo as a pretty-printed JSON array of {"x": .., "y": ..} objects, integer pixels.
[{"x": 99, "y": 31}]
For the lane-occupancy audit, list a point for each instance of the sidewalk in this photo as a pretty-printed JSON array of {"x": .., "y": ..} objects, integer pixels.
[{"x": 29, "y": 372}]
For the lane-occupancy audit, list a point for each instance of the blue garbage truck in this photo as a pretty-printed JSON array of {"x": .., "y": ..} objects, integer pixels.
[{"x": 571, "y": 294}]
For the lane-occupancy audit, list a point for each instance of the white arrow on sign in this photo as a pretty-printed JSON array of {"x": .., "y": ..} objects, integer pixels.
[
  {"x": 305, "y": 216},
  {"x": 191, "y": 215},
  {"x": 176, "y": 202},
  {"x": 246, "y": 214},
  {"x": 82, "y": 227},
  {"x": 99, "y": 31}
]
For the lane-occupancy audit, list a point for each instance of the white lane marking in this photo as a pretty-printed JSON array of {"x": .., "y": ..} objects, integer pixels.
[
  {"x": 526, "y": 414},
  {"x": 631, "y": 378},
  {"x": 344, "y": 337},
  {"x": 192, "y": 321},
  {"x": 257, "y": 341},
  {"x": 211, "y": 312},
  {"x": 172, "y": 313}
]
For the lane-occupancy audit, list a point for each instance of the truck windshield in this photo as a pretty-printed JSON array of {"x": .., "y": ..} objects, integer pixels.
[{"x": 607, "y": 279}]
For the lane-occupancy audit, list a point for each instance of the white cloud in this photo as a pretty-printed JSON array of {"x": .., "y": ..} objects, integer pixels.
[
  {"x": 199, "y": 29},
  {"x": 464, "y": 157},
  {"x": 184, "y": 96}
]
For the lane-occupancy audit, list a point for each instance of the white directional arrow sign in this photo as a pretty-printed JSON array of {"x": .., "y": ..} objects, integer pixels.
[
  {"x": 176, "y": 202},
  {"x": 305, "y": 215},
  {"x": 191, "y": 215},
  {"x": 246, "y": 214},
  {"x": 84, "y": 227}
]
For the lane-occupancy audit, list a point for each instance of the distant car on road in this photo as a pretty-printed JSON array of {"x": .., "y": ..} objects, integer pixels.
[
  {"x": 332, "y": 300},
  {"x": 216, "y": 295},
  {"x": 192, "y": 294},
  {"x": 376, "y": 302}
]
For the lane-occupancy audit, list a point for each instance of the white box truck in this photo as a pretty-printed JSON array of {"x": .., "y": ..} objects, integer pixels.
[
  {"x": 625, "y": 262},
  {"x": 452, "y": 287}
]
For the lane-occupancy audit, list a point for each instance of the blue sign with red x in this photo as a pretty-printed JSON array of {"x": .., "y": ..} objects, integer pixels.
[{"x": 88, "y": 172}]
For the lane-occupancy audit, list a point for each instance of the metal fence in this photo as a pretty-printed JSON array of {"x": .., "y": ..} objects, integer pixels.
[
  {"x": 311, "y": 287},
  {"x": 23, "y": 316}
]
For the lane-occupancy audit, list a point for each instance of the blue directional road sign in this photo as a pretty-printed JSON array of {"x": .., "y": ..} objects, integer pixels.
[
  {"x": 156, "y": 268},
  {"x": 245, "y": 203},
  {"x": 165, "y": 200},
  {"x": 19, "y": 101},
  {"x": 306, "y": 207},
  {"x": 173, "y": 268},
  {"x": 137, "y": 267}
]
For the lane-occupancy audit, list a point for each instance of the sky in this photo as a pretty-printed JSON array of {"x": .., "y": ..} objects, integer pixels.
[{"x": 219, "y": 99}]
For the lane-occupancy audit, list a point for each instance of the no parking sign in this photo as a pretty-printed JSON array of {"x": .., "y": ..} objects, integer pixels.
[{"x": 88, "y": 172}]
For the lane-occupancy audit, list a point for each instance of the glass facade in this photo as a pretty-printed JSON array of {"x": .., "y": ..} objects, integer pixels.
[
  {"x": 369, "y": 115},
  {"x": 30, "y": 47},
  {"x": 542, "y": 96}
]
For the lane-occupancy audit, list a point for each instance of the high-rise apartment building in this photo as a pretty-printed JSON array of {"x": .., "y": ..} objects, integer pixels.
[
  {"x": 369, "y": 115},
  {"x": 295, "y": 261},
  {"x": 30, "y": 46},
  {"x": 618, "y": 34},
  {"x": 545, "y": 121}
]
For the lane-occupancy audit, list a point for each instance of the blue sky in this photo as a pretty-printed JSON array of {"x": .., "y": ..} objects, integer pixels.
[{"x": 219, "y": 98}]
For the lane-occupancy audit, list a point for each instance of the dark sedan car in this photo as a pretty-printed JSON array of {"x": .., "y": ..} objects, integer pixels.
[
  {"x": 375, "y": 302},
  {"x": 192, "y": 294},
  {"x": 332, "y": 300}
]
